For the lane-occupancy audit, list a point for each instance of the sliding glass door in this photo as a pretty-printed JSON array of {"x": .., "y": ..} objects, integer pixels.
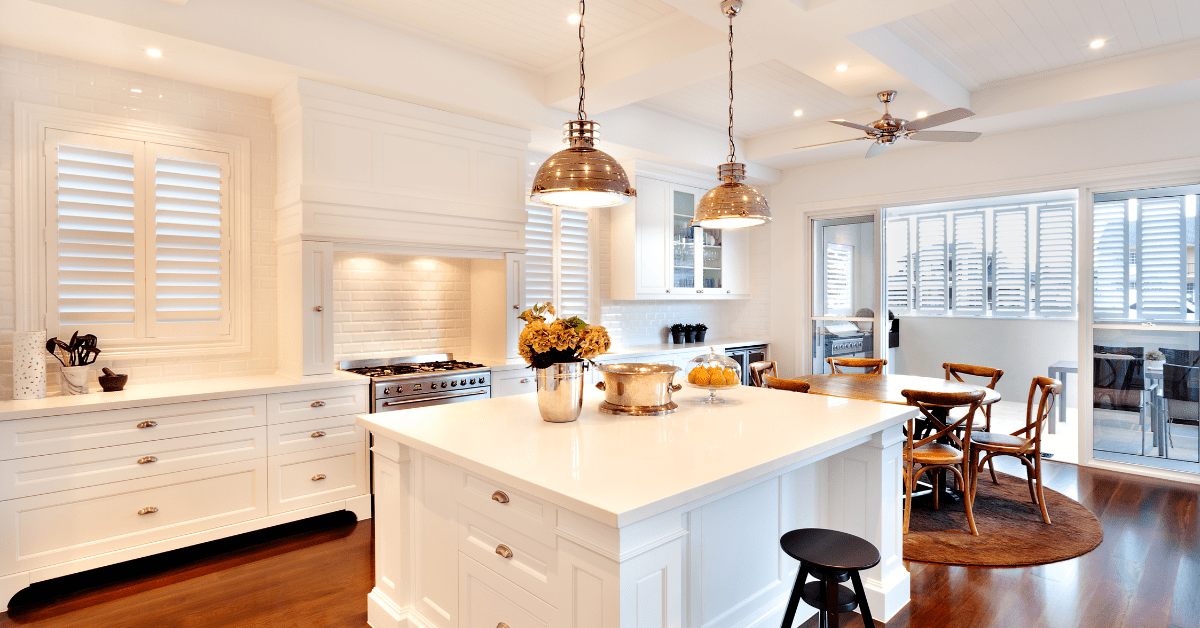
[{"x": 845, "y": 292}]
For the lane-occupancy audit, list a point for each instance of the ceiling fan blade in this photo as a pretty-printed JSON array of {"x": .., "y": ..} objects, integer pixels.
[
  {"x": 860, "y": 127},
  {"x": 876, "y": 149},
  {"x": 945, "y": 136},
  {"x": 853, "y": 139},
  {"x": 938, "y": 119}
]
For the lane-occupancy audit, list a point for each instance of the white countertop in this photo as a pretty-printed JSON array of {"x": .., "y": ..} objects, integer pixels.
[
  {"x": 619, "y": 470},
  {"x": 137, "y": 395}
]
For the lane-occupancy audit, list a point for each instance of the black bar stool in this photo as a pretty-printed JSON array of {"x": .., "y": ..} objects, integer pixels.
[{"x": 831, "y": 557}]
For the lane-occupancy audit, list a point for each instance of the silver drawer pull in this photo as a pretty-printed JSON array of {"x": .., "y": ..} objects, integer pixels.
[
  {"x": 318, "y": 404},
  {"x": 145, "y": 424},
  {"x": 319, "y": 476},
  {"x": 504, "y": 551},
  {"x": 500, "y": 496},
  {"x": 147, "y": 460},
  {"x": 148, "y": 510},
  {"x": 318, "y": 433},
  {"x": 525, "y": 381}
]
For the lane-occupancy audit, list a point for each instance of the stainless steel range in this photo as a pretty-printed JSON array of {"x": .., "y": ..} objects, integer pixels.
[{"x": 417, "y": 381}]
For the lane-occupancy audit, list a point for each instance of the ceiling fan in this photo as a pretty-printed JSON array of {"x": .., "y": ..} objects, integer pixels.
[{"x": 888, "y": 130}]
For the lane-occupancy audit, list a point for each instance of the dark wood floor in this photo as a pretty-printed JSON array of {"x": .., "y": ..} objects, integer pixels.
[{"x": 317, "y": 573}]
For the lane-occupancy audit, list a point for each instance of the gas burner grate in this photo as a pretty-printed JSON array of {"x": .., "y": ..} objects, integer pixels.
[{"x": 414, "y": 367}]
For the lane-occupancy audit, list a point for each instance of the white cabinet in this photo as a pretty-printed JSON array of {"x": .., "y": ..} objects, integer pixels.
[
  {"x": 305, "y": 319},
  {"x": 513, "y": 382},
  {"x": 656, "y": 254},
  {"x": 497, "y": 297}
]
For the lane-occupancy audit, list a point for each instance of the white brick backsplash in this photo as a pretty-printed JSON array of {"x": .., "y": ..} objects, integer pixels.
[
  {"x": 81, "y": 86},
  {"x": 389, "y": 305}
]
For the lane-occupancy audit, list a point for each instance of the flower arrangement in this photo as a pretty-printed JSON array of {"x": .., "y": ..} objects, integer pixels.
[
  {"x": 1156, "y": 356},
  {"x": 544, "y": 342}
]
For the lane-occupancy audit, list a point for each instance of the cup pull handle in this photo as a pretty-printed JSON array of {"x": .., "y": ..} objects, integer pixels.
[
  {"x": 318, "y": 404},
  {"x": 500, "y": 497},
  {"x": 148, "y": 510},
  {"x": 145, "y": 424},
  {"x": 503, "y": 551},
  {"x": 525, "y": 381},
  {"x": 147, "y": 460},
  {"x": 676, "y": 387},
  {"x": 318, "y": 434},
  {"x": 599, "y": 385},
  {"x": 319, "y": 476}
]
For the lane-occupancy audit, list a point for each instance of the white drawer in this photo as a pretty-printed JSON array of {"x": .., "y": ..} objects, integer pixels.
[
  {"x": 57, "y": 527},
  {"x": 72, "y": 432},
  {"x": 319, "y": 476},
  {"x": 316, "y": 404},
  {"x": 513, "y": 383},
  {"x": 23, "y": 477},
  {"x": 530, "y": 564},
  {"x": 512, "y": 508},
  {"x": 487, "y": 600},
  {"x": 285, "y": 438}
]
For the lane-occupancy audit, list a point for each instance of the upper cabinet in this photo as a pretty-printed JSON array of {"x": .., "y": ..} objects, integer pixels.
[{"x": 657, "y": 255}]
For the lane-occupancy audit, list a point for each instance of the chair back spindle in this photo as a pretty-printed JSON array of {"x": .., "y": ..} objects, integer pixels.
[{"x": 872, "y": 366}]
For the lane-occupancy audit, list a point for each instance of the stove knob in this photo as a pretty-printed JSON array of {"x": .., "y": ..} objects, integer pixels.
[
  {"x": 443, "y": 384},
  {"x": 464, "y": 382},
  {"x": 399, "y": 389},
  {"x": 454, "y": 383},
  {"x": 481, "y": 380},
  {"x": 387, "y": 391},
  {"x": 472, "y": 381}
]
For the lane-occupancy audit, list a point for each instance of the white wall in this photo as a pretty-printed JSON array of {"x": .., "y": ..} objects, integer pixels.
[
  {"x": 1022, "y": 348},
  {"x": 27, "y": 76}
]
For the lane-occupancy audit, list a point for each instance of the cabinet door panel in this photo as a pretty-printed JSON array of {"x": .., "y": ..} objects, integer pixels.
[
  {"x": 652, "y": 235},
  {"x": 487, "y": 600}
]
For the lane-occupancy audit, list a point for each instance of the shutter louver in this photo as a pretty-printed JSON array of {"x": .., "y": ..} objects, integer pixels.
[
  {"x": 96, "y": 199},
  {"x": 839, "y": 274},
  {"x": 1011, "y": 264},
  {"x": 1110, "y": 256},
  {"x": 932, "y": 275},
  {"x": 970, "y": 282},
  {"x": 899, "y": 284},
  {"x": 1056, "y": 260},
  {"x": 539, "y": 260},
  {"x": 573, "y": 262},
  {"x": 1162, "y": 256}
]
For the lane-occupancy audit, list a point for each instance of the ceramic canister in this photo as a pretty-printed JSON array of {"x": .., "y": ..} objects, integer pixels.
[{"x": 29, "y": 364}]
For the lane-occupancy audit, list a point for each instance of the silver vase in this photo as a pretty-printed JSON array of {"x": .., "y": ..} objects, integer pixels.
[{"x": 560, "y": 391}]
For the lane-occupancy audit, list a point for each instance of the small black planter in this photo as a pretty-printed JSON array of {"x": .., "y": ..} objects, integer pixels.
[
  {"x": 689, "y": 335},
  {"x": 700, "y": 334},
  {"x": 677, "y": 337}
]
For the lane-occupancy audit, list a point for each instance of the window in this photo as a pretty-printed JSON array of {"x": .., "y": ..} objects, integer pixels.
[
  {"x": 839, "y": 279},
  {"x": 557, "y": 264},
  {"x": 1010, "y": 256},
  {"x": 1144, "y": 244},
  {"x": 133, "y": 232}
]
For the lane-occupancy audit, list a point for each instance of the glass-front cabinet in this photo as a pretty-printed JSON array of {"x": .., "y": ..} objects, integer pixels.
[{"x": 696, "y": 252}]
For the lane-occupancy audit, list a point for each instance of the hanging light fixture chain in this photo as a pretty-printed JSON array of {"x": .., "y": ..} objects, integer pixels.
[
  {"x": 732, "y": 147},
  {"x": 582, "y": 74}
]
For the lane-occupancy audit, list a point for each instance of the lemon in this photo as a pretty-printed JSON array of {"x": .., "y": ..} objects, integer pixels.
[
  {"x": 730, "y": 377},
  {"x": 692, "y": 375},
  {"x": 702, "y": 377}
]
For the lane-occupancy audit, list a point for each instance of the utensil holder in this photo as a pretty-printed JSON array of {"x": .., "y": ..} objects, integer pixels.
[{"x": 75, "y": 379}]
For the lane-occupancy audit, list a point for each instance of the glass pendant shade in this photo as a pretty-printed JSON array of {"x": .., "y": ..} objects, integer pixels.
[
  {"x": 582, "y": 175},
  {"x": 733, "y": 204}
]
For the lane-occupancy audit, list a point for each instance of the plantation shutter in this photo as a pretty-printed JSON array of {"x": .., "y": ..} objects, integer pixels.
[
  {"x": 970, "y": 282},
  {"x": 92, "y": 233},
  {"x": 839, "y": 274},
  {"x": 1056, "y": 260},
  {"x": 932, "y": 274},
  {"x": 573, "y": 262},
  {"x": 539, "y": 260},
  {"x": 1110, "y": 260},
  {"x": 1162, "y": 257},
  {"x": 1011, "y": 264},
  {"x": 189, "y": 229},
  {"x": 899, "y": 284}
]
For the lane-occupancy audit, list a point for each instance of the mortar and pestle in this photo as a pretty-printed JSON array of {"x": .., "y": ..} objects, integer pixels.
[{"x": 112, "y": 382}]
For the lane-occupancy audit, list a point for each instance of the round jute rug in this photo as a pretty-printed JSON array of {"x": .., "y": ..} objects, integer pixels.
[{"x": 1011, "y": 530}]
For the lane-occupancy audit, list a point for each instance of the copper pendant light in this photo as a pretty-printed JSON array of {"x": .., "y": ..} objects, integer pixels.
[
  {"x": 581, "y": 176},
  {"x": 733, "y": 204}
]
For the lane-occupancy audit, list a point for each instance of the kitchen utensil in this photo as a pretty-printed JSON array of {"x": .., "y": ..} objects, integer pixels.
[
  {"x": 87, "y": 355},
  {"x": 638, "y": 389},
  {"x": 112, "y": 382},
  {"x": 51, "y": 345}
]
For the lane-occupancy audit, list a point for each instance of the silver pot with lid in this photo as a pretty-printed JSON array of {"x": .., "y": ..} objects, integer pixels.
[{"x": 638, "y": 389}]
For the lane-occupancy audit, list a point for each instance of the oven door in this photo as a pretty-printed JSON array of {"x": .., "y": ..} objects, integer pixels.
[{"x": 432, "y": 399}]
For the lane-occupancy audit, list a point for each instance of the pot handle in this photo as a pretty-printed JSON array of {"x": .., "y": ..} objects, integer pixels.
[
  {"x": 676, "y": 387},
  {"x": 600, "y": 385}
]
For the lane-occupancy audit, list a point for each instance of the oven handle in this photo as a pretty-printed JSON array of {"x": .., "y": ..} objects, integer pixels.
[{"x": 439, "y": 397}]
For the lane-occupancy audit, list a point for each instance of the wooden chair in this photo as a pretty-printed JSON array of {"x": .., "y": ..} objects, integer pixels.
[
  {"x": 785, "y": 384},
  {"x": 872, "y": 366},
  {"x": 1024, "y": 444},
  {"x": 956, "y": 371},
  {"x": 932, "y": 455},
  {"x": 758, "y": 369}
]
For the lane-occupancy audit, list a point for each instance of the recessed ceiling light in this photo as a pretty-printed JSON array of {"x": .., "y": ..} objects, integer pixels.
[
  {"x": 573, "y": 18},
  {"x": 1097, "y": 43},
  {"x": 843, "y": 67},
  {"x": 136, "y": 90},
  {"x": 922, "y": 114},
  {"x": 798, "y": 113},
  {"x": 154, "y": 52}
]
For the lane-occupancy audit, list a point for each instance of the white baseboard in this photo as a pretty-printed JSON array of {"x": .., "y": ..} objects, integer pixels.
[{"x": 383, "y": 613}]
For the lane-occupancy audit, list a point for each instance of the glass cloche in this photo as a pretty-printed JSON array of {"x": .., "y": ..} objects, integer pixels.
[{"x": 713, "y": 371}]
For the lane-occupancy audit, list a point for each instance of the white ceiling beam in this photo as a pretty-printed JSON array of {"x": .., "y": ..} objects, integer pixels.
[{"x": 882, "y": 44}]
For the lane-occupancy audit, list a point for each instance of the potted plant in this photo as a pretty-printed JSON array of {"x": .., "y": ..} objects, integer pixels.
[
  {"x": 677, "y": 333},
  {"x": 701, "y": 329},
  {"x": 1155, "y": 360},
  {"x": 689, "y": 333},
  {"x": 557, "y": 350}
]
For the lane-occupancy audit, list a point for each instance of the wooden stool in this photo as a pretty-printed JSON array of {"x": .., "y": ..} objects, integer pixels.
[{"x": 830, "y": 557}]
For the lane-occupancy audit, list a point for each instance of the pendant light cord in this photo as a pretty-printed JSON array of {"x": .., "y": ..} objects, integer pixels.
[
  {"x": 582, "y": 74},
  {"x": 732, "y": 147}
]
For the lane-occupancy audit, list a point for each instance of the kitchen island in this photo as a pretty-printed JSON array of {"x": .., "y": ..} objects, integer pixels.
[{"x": 487, "y": 516}]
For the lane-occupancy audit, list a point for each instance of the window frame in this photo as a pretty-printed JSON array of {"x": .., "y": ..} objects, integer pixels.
[
  {"x": 32, "y": 211},
  {"x": 556, "y": 256}
]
